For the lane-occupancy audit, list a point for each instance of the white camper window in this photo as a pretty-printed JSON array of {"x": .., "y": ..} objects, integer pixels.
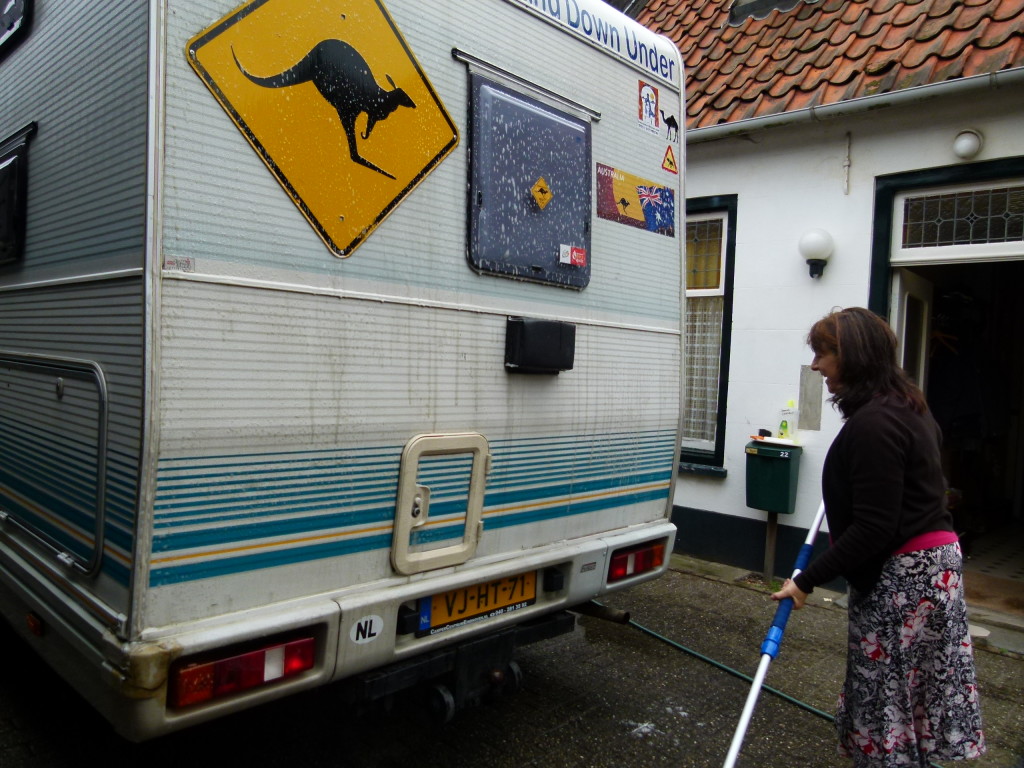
[
  {"x": 13, "y": 190},
  {"x": 530, "y": 187},
  {"x": 707, "y": 320}
]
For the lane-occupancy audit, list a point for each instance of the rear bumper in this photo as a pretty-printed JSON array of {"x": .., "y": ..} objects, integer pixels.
[{"x": 128, "y": 682}]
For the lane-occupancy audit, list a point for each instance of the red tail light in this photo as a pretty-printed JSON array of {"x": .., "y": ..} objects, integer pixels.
[
  {"x": 196, "y": 683},
  {"x": 635, "y": 560}
]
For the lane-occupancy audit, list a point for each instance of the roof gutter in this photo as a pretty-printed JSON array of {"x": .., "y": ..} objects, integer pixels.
[{"x": 1001, "y": 79}]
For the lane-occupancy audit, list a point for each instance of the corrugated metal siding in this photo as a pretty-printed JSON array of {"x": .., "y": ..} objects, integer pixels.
[
  {"x": 81, "y": 75},
  {"x": 284, "y": 416},
  {"x": 50, "y": 443}
]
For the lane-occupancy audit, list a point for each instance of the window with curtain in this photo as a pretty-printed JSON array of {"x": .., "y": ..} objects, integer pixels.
[{"x": 710, "y": 244}]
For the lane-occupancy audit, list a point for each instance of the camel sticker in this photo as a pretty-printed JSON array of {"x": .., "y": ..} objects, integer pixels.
[{"x": 334, "y": 103}]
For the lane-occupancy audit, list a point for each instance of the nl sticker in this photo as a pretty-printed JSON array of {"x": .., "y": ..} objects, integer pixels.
[{"x": 631, "y": 200}]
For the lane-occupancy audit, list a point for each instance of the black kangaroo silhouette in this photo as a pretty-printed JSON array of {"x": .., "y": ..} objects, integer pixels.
[
  {"x": 344, "y": 79},
  {"x": 671, "y": 123}
]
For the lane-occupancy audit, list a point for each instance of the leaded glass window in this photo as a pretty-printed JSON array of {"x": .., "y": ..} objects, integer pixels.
[{"x": 964, "y": 217}]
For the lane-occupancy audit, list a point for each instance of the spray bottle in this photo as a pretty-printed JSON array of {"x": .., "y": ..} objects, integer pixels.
[{"x": 788, "y": 413}]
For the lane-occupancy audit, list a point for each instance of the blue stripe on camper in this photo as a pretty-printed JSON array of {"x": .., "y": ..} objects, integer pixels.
[{"x": 231, "y": 514}]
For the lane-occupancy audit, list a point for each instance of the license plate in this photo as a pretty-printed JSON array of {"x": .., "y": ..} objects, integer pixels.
[{"x": 458, "y": 607}]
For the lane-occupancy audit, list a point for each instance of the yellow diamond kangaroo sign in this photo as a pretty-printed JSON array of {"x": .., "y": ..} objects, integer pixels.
[{"x": 332, "y": 99}]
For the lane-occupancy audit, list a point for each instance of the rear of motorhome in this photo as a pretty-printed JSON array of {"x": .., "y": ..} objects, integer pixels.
[{"x": 339, "y": 340}]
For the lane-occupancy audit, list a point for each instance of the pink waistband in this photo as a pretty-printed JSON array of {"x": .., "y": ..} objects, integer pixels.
[{"x": 927, "y": 541}]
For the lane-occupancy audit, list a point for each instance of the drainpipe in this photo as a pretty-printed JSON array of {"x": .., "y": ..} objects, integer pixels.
[{"x": 1003, "y": 78}]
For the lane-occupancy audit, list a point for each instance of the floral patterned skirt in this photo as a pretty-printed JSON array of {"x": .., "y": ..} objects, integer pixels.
[{"x": 911, "y": 693}]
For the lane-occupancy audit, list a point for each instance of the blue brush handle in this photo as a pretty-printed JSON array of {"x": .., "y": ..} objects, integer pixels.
[{"x": 773, "y": 639}]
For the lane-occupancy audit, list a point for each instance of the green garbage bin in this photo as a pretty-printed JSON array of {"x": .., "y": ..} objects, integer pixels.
[{"x": 772, "y": 473}]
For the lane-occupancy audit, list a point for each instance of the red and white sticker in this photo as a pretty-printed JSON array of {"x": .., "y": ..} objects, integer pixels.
[{"x": 570, "y": 254}]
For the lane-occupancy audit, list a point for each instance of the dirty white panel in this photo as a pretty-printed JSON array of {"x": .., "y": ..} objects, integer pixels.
[{"x": 284, "y": 416}]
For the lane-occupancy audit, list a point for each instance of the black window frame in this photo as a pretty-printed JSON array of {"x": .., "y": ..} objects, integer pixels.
[
  {"x": 14, "y": 29},
  {"x": 542, "y": 267},
  {"x": 713, "y": 462},
  {"x": 14, "y": 178}
]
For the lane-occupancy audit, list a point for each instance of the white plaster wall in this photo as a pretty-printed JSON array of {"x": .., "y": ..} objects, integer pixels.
[{"x": 788, "y": 180}]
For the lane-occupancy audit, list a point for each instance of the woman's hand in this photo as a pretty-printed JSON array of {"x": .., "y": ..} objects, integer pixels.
[{"x": 790, "y": 589}]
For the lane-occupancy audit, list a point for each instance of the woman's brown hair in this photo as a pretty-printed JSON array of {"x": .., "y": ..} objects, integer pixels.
[{"x": 865, "y": 348}]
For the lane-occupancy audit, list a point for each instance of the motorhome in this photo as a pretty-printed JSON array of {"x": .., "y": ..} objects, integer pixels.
[{"x": 339, "y": 340}]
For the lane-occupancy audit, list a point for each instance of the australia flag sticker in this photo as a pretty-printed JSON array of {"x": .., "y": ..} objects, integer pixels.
[{"x": 634, "y": 201}]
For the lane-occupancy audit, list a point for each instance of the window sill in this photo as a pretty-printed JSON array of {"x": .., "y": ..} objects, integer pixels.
[{"x": 689, "y": 468}]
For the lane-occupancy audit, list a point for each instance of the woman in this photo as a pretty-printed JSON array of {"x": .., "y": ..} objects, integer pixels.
[{"x": 910, "y": 694}]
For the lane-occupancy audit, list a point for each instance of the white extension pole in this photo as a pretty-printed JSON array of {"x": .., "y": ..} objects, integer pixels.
[{"x": 772, "y": 641}]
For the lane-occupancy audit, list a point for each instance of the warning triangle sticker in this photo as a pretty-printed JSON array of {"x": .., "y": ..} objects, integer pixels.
[{"x": 669, "y": 163}]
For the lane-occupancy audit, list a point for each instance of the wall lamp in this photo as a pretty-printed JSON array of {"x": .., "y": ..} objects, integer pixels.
[
  {"x": 816, "y": 247},
  {"x": 968, "y": 144}
]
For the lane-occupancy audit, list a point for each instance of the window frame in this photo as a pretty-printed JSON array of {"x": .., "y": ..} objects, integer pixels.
[
  {"x": 14, "y": 152},
  {"x": 553, "y": 269},
  {"x": 888, "y": 186},
  {"x": 958, "y": 253},
  {"x": 15, "y": 32},
  {"x": 702, "y": 208}
]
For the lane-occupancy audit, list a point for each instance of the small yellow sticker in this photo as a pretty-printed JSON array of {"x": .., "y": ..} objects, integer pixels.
[{"x": 541, "y": 192}]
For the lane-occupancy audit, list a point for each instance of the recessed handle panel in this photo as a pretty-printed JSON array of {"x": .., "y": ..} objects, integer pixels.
[{"x": 412, "y": 509}]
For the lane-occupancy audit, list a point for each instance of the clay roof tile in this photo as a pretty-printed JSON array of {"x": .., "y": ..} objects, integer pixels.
[
  {"x": 882, "y": 60},
  {"x": 891, "y": 38},
  {"x": 872, "y": 84},
  {"x": 800, "y": 99},
  {"x": 995, "y": 34},
  {"x": 904, "y": 15},
  {"x": 780, "y": 87},
  {"x": 816, "y": 79},
  {"x": 826, "y": 54},
  {"x": 981, "y": 61},
  {"x": 870, "y": 23},
  {"x": 937, "y": 8},
  {"x": 833, "y": 93},
  {"x": 795, "y": 66},
  {"x": 955, "y": 41},
  {"x": 884, "y": 6},
  {"x": 1008, "y": 10},
  {"x": 933, "y": 26},
  {"x": 765, "y": 71},
  {"x": 968, "y": 17},
  {"x": 799, "y": 27},
  {"x": 729, "y": 33},
  {"x": 773, "y": 106},
  {"x": 776, "y": 32},
  {"x": 911, "y": 78},
  {"x": 852, "y": 13},
  {"x": 913, "y": 54},
  {"x": 824, "y": 51},
  {"x": 949, "y": 69},
  {"x": 860, "y": 46},
  {"x": 747, "y": 109}
]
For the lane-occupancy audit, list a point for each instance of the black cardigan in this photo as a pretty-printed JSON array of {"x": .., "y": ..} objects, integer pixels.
[{"x": 882, "y": 484}]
